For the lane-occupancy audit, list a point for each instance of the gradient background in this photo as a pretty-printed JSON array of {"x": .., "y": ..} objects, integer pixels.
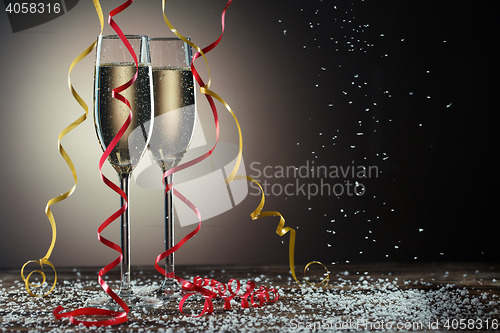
[{"x": 406, "y": 86}]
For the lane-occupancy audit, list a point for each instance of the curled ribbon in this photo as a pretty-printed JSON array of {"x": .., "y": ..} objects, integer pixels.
[
  {"x": 183, "y": 166},
  {"x": 225, "y": 292},
  {"x": 64, "y": 154},
  {"x": 281, "y": 230},
  {"x": 205, "y": 90},
  {"x": 117, "y": 317}
]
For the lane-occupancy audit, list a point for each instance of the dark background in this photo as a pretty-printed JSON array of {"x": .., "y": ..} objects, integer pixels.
[
  {"x": 431, "y": 73},
  {"x": 402, "y": 85}
]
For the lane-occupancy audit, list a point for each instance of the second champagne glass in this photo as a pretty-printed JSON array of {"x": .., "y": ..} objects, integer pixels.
[
  {"x": 114, "y": 67},
  {"x": 174, "y": 122}
]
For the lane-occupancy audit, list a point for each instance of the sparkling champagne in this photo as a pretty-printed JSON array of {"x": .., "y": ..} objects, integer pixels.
[
  {"x": 111, "y": 114},
  {"x": 175, "y": 114}
]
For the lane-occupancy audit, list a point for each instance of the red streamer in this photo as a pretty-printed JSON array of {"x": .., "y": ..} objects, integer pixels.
[
  {"x": 117, "y": 317},
  {"x": 225, "y": 292},
  {"x": 210, "y": 101},
  {"x": 183, "y": 166},
  {"x": 194, "y": 161},
  {"x": 251, "y": 296}
]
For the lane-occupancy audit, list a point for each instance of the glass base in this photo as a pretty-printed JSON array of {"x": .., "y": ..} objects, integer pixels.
[
  {"x": 132, "y": 300},
  {"x": 170, "y": 290}
]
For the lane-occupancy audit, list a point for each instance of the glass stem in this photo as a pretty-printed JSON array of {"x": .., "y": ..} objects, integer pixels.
[
  {"x": 169, "y": 231},
  {"x": 125, "y": 236}
]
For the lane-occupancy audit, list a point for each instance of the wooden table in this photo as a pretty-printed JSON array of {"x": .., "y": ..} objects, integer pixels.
[{"x": 389, "y": 296}]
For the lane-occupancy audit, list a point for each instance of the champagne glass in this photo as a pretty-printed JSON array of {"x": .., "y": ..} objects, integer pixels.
[
  {"x": 114, "y": 67},
  {"x": 173, "y": 128}
]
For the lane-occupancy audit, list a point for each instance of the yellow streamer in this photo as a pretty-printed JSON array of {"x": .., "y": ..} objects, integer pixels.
[
  {"x": 281, "y": 230},
  {"x": 62, "y": 151}
]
